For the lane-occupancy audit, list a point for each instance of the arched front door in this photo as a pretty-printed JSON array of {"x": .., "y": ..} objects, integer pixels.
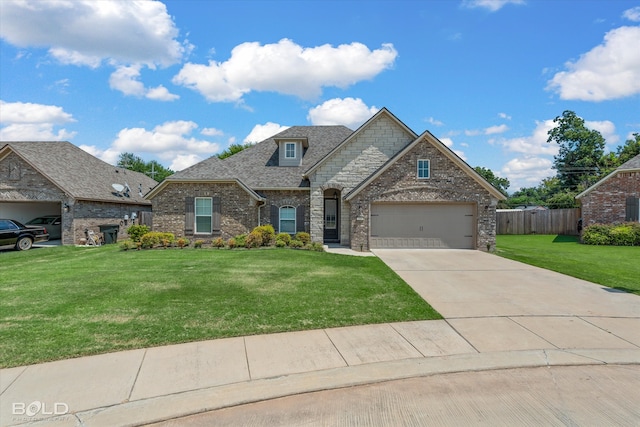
[{"x": 331, "y": 217}]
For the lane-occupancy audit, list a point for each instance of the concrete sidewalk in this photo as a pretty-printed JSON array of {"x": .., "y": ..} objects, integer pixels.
[{"x": 573, "y": 323}]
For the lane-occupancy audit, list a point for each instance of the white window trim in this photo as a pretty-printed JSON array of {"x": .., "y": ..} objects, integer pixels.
[
  {"x": 428, "y": 169},
  {"x": 286, "y": 156},
  {"x": 295, "y": 214},
  {"x": 195, "y": 215}
]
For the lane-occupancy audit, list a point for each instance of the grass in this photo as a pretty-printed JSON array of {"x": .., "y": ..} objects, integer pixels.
[
  {"x": 613, "y": 266},
  {"x": 66, "y": 302}
]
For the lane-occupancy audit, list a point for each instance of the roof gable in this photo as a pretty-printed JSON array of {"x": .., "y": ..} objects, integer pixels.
[
  {"x": 632, "y": 165},
  {"x": 360, "y": 130},
  {"x": 78, "y": 173},
  {"x": 446, "y": 151}
]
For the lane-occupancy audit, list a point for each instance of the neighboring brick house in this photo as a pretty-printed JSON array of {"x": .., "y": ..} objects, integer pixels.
[
  {"x": 615, "y": 198},
  {"x": 380, "y": 186},
  {"x": 59, "y": 178}
]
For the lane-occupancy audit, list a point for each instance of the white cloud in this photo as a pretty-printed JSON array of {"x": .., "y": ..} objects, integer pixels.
[
  {"x": 211, "y": 132},
  {"x": 606, "y": 128},
  {"x": 349, "y": 112},
  {"x": 85, "y": 32},
  {"x": 25, "y": 121},
  {"x": 491, "y": 5},
  {"x": 170, "y": 142},
  {"x": 492, "y": 130},
  {"x": 262, "y": 132},
  {"x": 286, "y": 68},
  {"x": 434, "y": 122},
  {"x": 610, "y": 70},
  {"x": 528, "y": 171},
  {"x": 535, "y": 144},
  {"x": 125, "y": 80},
  {"x": 632, "y": 14},
  {"x": 504, "y": 116}
]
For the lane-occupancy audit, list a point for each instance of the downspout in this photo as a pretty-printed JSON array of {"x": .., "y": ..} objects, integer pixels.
[{"x": 261, "y": 203}]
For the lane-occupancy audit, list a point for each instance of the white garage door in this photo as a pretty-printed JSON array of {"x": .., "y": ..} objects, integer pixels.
[{"x": 423, "y": 226}]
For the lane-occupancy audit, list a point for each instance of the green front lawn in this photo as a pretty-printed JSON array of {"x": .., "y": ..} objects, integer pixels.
[
  {"x": 65, "y": 302},
  {"x": 613, "y": 266}
]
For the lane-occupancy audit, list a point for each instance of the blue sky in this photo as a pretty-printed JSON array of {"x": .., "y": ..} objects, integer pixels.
[{"x": 178, "y": 81}]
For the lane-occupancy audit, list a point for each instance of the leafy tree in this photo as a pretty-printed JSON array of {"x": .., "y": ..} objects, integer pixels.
[
  {"x": 501, "y": 184},
  {"x": 233, "y": 149},
  {"x": 581, "y": 150},
  {"x": 152, "y": 168},
  {"x": 629, "y": 150}
]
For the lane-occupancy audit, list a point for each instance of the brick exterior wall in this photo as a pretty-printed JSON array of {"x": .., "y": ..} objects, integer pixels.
[
  {"x": 606, "y": 203},
  {"x": 349, "y": 166},
  {"x": 278, "y": 199},
  {"x": 447, "y": 183},
  {"x": 91, "y": 215},
  {"x": 239, "y": 211}
]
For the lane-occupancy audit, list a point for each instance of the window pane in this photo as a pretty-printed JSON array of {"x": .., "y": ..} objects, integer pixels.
[
  {"x": 203, "y": 224},
  {"x": 423, "y": 168},
  {"x": 203, "y": 206},
  {"x": 288, "y": 220},
  {"x": 290, "y": 150}
]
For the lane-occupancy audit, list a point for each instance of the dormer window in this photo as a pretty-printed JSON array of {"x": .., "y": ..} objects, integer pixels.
[{"x": 290, "y": 150}]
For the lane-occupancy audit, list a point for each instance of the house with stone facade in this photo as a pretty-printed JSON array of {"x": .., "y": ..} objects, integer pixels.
[
  {"x": 59, "y": 178},
  {"x": 615, "y": 198},
  {"x": 381, "y": 186}
]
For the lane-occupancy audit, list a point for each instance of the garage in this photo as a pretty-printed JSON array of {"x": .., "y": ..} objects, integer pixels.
[{"x": 423, "y": 225}]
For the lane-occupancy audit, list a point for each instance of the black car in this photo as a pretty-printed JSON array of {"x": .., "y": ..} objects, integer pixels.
[{"x": 17, "y": 235}]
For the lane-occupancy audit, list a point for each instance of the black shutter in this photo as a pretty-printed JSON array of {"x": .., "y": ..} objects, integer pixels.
[
  {"x": 631, "y": 211},
  {"x": 275, "y": 214},
  {"x": 189, "y": 215},
  {"x": 217, "y": 213},
  {"x": 300, "y": 217}
]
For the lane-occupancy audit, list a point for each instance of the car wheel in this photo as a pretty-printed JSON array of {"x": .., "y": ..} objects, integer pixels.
[{"x": 24, "y": 243}]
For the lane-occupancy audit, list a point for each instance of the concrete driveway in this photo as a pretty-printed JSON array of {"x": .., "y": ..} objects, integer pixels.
[{"x": 465, "y": 283}]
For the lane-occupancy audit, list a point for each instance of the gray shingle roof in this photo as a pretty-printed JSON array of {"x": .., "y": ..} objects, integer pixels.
[
  {"x": 633, "y": 163},
  {"x": 80, "y": 174},
  {"x": 257, "y": 166}
]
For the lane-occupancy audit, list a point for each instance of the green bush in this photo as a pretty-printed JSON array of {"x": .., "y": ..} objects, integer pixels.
[
  {"x": 267, "y": 234},
  {"x": 231, "y": 243},
  {"x": 137, "y": 231},
  {"x": 305, "y": 238},
  {"x": 218, "y": 243},
  {"x": 280, "y": 244},
  {"x": 155, "y": 238},
  {"x": 283, "y": 237},
  {"x": 240, "y": 238},
  {"x": 125, "y": 245},
  {"x": 253, "y": 240},
  {"x": 626, "y": 234},
  {"x": 317, "y": 247},
  {"x": 198, "y": 243},
  {"x": 295, "y": 243}
]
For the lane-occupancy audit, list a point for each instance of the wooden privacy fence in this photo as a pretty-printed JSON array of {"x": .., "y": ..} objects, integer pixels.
[{"x": 552, "y": 221}]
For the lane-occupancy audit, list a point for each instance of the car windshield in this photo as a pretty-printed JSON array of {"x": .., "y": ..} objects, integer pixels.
[{"x": 42, "y": 220}]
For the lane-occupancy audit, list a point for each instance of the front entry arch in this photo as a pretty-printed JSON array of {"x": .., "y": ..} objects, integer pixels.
[{"x": 331, "y": 216}]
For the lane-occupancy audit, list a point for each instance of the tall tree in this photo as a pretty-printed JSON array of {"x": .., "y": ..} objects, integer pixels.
[
  {"x": 629, "y": 150},
  {"x": 581, "y": 150},
  {"x": 501, "y": 184},
  {"x": 233, "y": 149},
  {"x": 152, "y": 168}
]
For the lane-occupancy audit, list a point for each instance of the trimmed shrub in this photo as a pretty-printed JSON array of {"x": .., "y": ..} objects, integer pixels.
[
  {"x": 626, "y": 234},
  {"x": 267, "y": 234},
  {"x": 280, "y": 244},
  {"x": 305, "y": 238},
  {"x": 218, "y": 243},
  {"x": 317, "y": 247},
  {"x": 283, "y": 237},
  {"x": 155, "y": 238},
  {"x": 125, "y": 245},
  {"x": 198, "y": 243},
  {"x": 295, "y": 243},
  {"x": 253, "y": 240},
  {"x": 183, "y": 242},
  {"x": 135, "y": 232},
  {"x": 240, "y": 238},
  {"x": 231, "y": 243}
]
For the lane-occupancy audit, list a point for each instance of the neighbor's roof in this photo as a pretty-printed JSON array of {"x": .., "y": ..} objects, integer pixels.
[
  {"x": 632, "y": 165},
  {"x": 257, "y": 166},
  {"x": 78, "y": 173}
]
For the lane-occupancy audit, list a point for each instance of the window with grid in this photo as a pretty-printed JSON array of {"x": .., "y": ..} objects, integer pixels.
[
  {"x": 288, "y": 219},
  {"x": 423, "y": 169},
  {"x": 290, "y": 150},
  {"x": 204, "y": 214}
]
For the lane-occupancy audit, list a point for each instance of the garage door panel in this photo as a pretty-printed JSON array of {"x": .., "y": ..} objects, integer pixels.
[{"x": 422, "y": 226}]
